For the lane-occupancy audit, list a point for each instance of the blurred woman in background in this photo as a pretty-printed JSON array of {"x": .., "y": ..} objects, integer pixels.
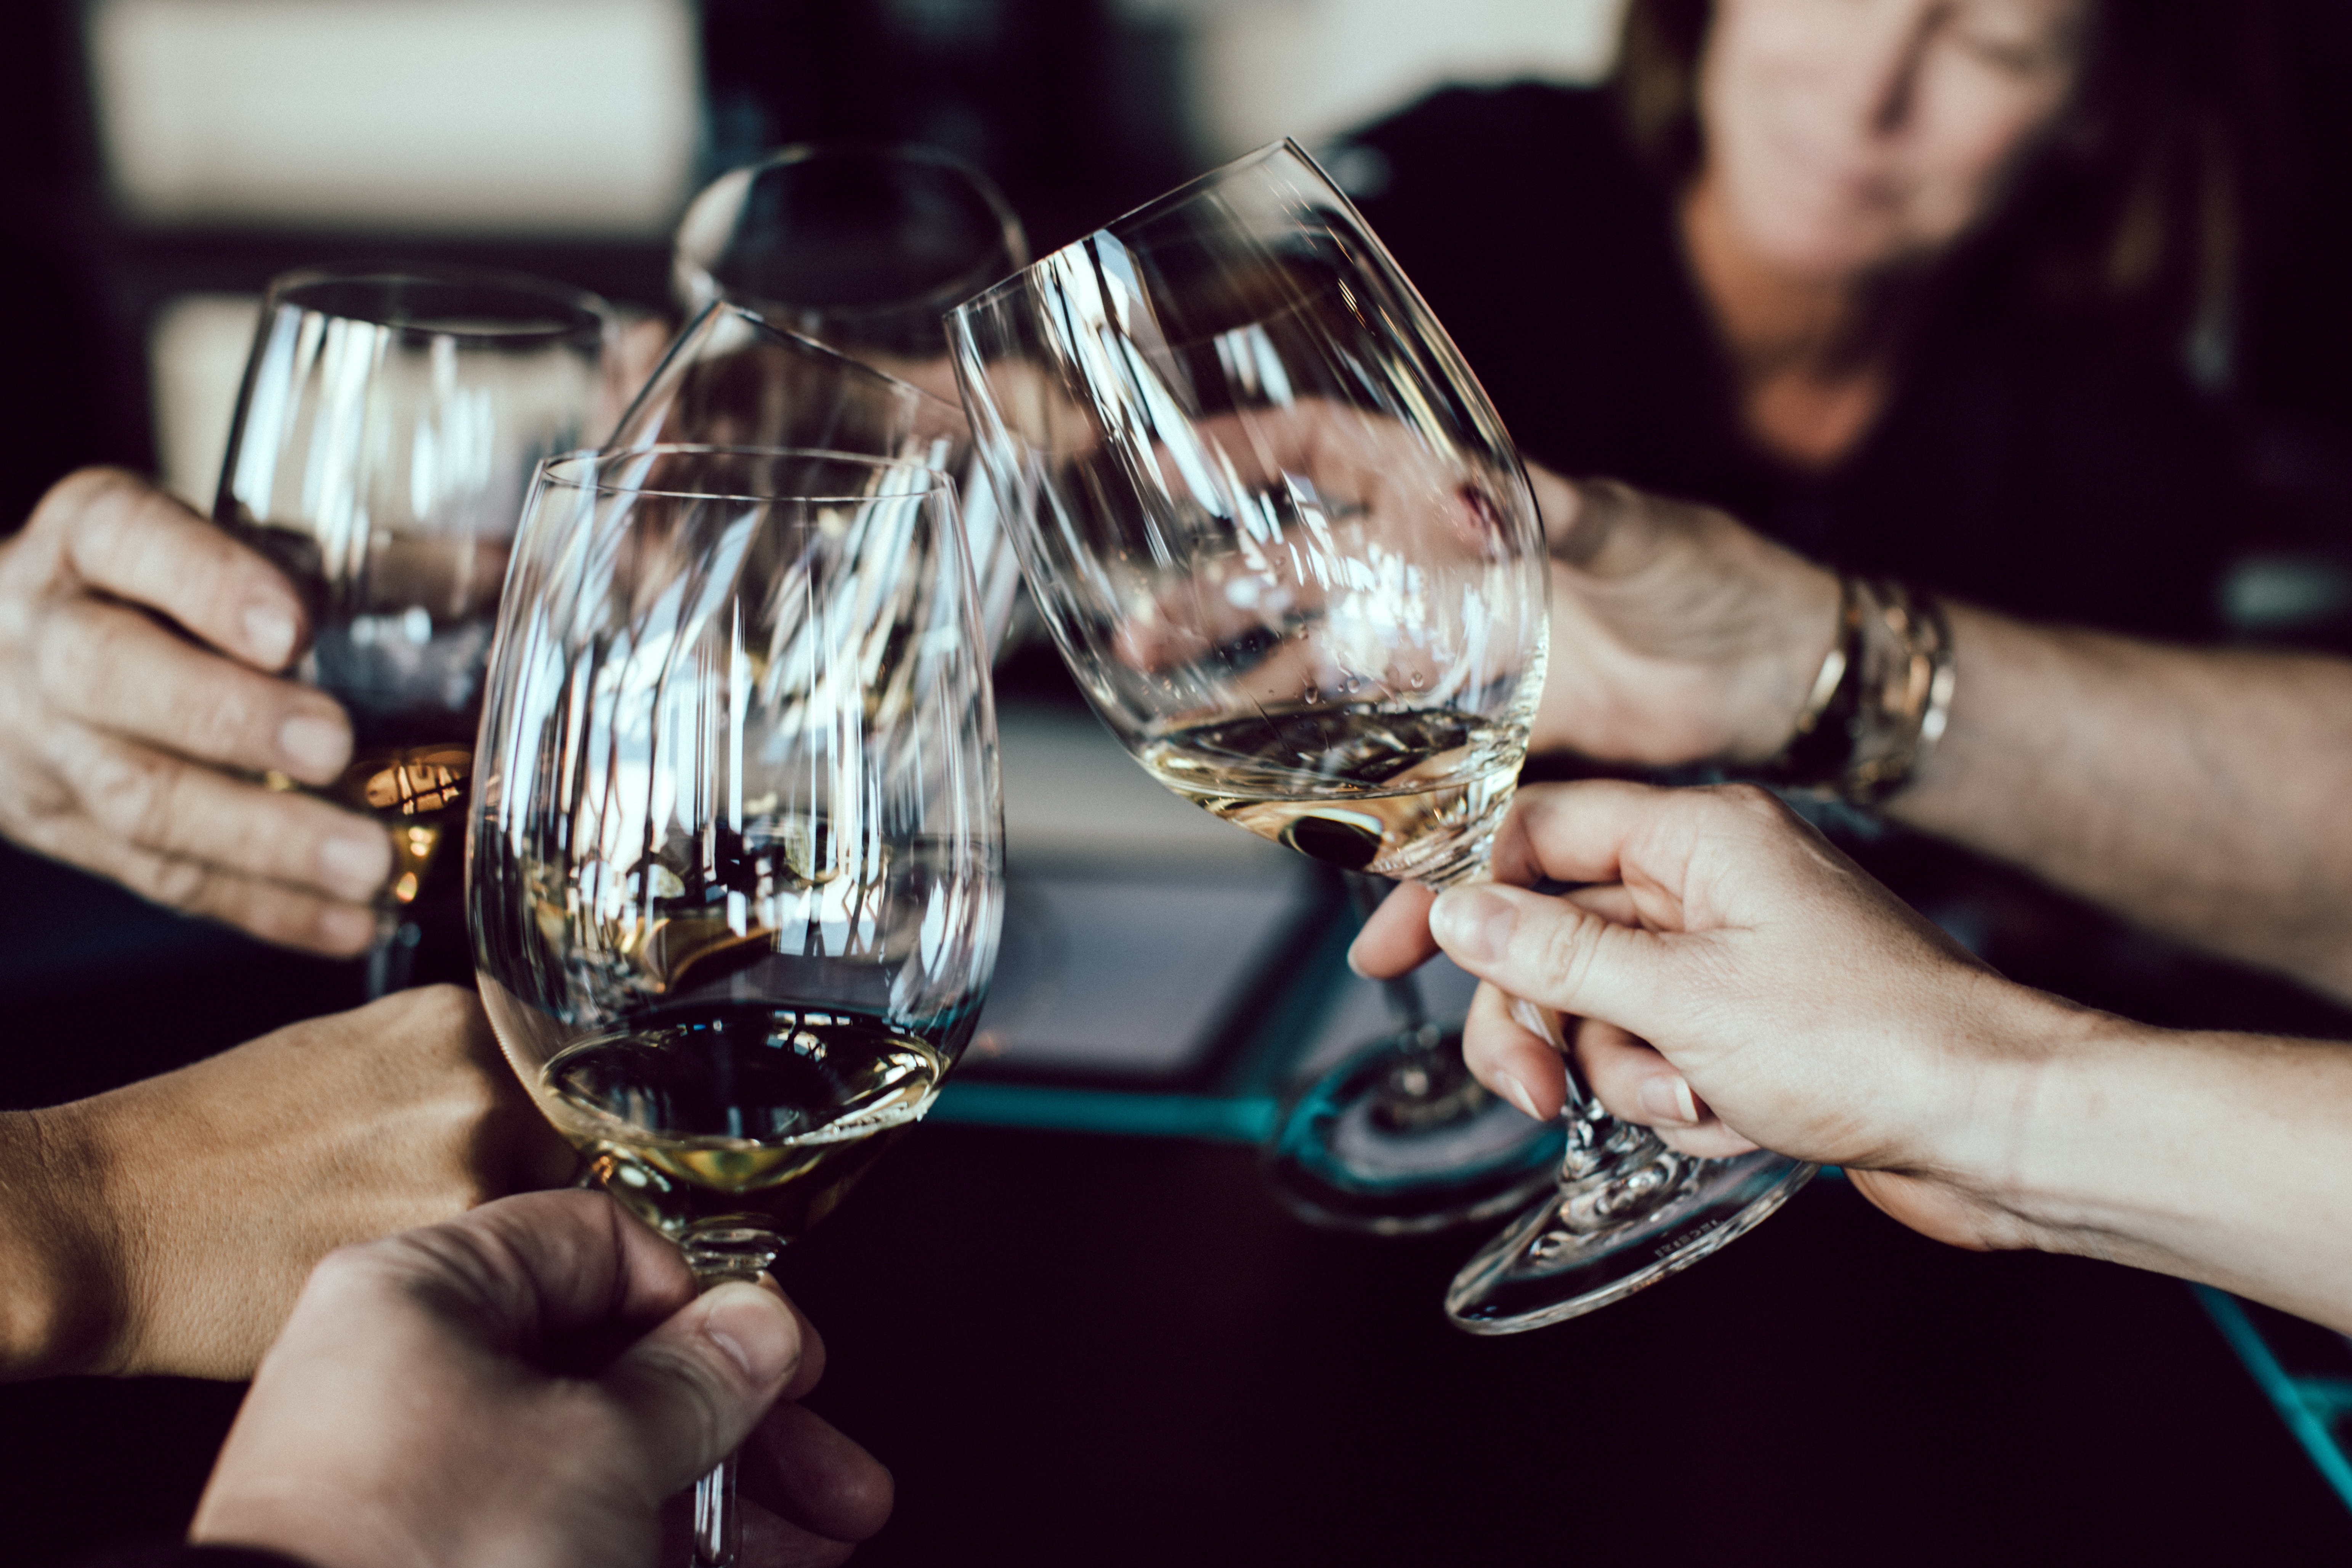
[
  {"x": 1933, "y": 288},
  {"x": 1944, "y": 291}
]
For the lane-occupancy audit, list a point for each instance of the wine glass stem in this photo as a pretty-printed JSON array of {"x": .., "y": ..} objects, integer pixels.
[
  {"x": 1612, "y": 1173},
  {"x": 1589, "y": 1126},
  {"x": 392, "y": 960},
  {"x": 718, "y": 1519},
  {"x": 1403, "y": 992}
]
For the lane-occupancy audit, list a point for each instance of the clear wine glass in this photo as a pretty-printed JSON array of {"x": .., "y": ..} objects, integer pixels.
[
  {"x": 732, "y": 378},
  {"x": 383, "y": 440},
  {"x": 736, "y": 868},
  {"x": 1286, "y": 548}
]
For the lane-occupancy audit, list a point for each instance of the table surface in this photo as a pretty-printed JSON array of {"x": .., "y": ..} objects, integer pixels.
[{"x": 1083, "y": 1348}]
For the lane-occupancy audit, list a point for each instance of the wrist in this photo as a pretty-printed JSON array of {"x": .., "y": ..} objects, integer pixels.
[
  {"x": 59, "y": 1313},
  {"x": 1988, "y": 1138},
  {"x": 1778, "y": 687},
  {"x": 1801, "y": 674},
  {"x": 2212, "y": 1156},
  {"x": 318, "y": 1523}
]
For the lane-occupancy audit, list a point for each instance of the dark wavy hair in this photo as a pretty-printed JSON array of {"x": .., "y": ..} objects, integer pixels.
[{"x": 2138, "y": 212}]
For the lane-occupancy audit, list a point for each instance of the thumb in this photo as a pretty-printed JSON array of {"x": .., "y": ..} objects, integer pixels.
[
  {"x": 1549, "y": 951},
  {"x": 694, "y": 1386}
]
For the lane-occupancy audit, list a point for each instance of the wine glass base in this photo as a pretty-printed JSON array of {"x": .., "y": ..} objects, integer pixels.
[
  {"x": 1339, "y": 1160},
  {"x": 1546, "y": 1270}
]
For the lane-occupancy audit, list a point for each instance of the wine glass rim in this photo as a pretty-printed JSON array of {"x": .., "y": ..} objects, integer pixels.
[
  {"x": 937, "y": 480},
  {"x": 817, "y": 345},
  {"x": 555, "y": 299},
  {"x": 1126, "y": 222},
  {"x": 946, "y": 294}
]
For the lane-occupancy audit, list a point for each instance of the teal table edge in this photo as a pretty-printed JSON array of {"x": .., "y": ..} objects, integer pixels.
[
  {"x": 1247, "y": 1118},
  {"x": 2312, "y": 1408}
]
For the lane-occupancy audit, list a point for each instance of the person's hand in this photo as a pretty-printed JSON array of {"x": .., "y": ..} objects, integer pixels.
[
  {"x": 140, "y": 698},
  {"x": 526, "y": 1385},
  {"x": 165, "y": 1227},
  {"x": 1678, "y": 635},
  {"x": 1731, "y": 980}
]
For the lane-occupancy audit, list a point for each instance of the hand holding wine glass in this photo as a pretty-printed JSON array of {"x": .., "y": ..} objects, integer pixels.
[
  {"x": 163, "y": 1229},
  {"x": 140, "y": 697},
  {"x": 1678, "y": 634},
  {"x": 526, "y": 1384}
]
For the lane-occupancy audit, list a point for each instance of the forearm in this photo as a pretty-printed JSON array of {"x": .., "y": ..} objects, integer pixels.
[
  {"x": 55, "y": 1316},
  {"x": 2222, "y": 1158},
  {"x": 2198, "y": 793}
]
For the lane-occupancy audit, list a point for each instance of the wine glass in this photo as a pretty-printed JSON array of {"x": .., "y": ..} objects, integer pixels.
[
  {"x": 1286, "y": 548},
  {"x": 732, "y": 378},
  {"x": 384, "y": 438},
  {"x": 736, "y": 869}
]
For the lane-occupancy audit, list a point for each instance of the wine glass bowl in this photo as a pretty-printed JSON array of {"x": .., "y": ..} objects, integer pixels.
[
  {"x": 816, "y": 277},
  {"x": 736, "y": 869},
  {"x": 1286, "y": 549},
  {"x": 734, "y": 379}
]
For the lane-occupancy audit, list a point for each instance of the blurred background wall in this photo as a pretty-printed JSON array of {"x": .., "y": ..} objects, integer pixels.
[{"x": 161, "y": 159}]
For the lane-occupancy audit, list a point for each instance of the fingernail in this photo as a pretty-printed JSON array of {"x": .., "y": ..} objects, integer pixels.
[
  {"x": 1669, "y": 1100},
  {"x": 268, "y": 635},
  {"x": 755, "y": 1329},
  {"x": 1472, "y": 923},
  {"x": 345, "y": 929},
  {"x": 355, "y": 864},
  {"x": 315, "y": 746},
  {"x": 1519, "y": 1096}
]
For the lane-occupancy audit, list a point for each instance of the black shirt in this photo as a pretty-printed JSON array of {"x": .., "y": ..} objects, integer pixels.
[{"x": 2015, "y": 465}]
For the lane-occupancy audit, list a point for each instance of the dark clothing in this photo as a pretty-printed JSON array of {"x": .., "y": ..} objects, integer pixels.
[{"x": 2015, "y": 466}]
